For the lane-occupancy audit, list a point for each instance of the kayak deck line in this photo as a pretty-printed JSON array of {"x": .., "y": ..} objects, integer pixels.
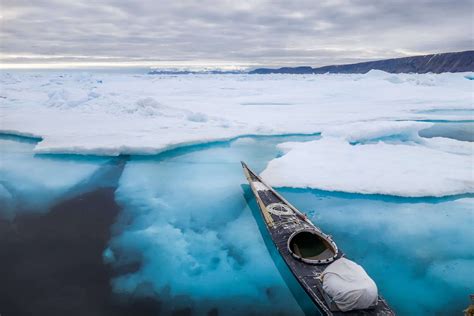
[{"x": 306, "y": 250}]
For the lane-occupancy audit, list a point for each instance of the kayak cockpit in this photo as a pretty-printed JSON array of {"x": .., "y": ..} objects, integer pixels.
[{"x": 312, "y": 246}]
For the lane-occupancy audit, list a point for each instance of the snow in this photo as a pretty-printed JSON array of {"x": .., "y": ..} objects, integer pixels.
[
  {"x": 114, "y": 113},
  {"x": 370, "y": 138},
  {"x": 376, "y": 158},
  {"x": 368, "y": 131}
]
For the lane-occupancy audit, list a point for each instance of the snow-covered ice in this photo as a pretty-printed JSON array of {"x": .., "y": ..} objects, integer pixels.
[
  {"x": 377, "y": 158},
  {"x": 109, "y": 114}
]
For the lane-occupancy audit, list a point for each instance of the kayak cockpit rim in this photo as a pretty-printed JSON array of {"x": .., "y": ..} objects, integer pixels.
[
  {"x": 308, "y": 245},
  {"x": 312, "y": 247}
]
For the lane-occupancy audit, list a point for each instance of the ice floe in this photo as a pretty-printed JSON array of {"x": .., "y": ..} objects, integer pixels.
[
  {"x": 112, "y": 113},
  {"x": 377, "y": 158}
]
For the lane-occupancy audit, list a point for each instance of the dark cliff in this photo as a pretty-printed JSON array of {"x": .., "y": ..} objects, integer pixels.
[{"x": 435, "y": 63}]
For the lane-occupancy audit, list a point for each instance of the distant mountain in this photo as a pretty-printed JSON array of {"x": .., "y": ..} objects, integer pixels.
[{"x": 435, "y": 63}]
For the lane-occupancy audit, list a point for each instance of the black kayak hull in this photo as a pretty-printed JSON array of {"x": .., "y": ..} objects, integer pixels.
[{"x": 281, "y": 226}]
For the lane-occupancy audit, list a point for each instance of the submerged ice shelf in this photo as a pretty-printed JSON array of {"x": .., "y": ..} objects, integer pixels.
[
  {"x": 187, "y": 237},
  {"x": 32, "y": 183},
  {"x": 185, "y": 213}
]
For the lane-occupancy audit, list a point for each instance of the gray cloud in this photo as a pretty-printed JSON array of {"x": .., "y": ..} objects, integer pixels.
[{"x": 254, "y": 32}]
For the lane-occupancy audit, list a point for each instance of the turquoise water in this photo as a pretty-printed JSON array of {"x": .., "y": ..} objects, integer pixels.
[
  {"x": 188, "y": 234},
  {"x": 419, "y": 250}
]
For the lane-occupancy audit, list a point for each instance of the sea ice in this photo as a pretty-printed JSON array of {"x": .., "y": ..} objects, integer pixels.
[
  {"x": 186, "y": 222},
  {"x": 376, "y": 158},
  {"x": 29, "y": 183},
  {"x": 186, "y": 234},
  {"x": 112, "y": 113},
  {"x": 469, "y": 76}
]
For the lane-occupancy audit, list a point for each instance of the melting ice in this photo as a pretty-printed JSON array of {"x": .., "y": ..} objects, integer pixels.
[
  {"x": 30, "y": 183},
  {"x": 199, "y": 246},
  {"x": 187, "y": 236}
]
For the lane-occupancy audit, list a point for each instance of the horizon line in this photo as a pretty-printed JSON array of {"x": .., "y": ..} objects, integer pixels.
[{"x": 190, "y": 65}]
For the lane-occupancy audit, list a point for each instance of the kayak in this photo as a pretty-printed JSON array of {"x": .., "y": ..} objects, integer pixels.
[{"x": 313, "y": 257}]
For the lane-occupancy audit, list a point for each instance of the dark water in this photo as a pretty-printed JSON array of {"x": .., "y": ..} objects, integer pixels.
[
  {"x": 51, "y": 250},
  {"x": 52, "y": 264}
]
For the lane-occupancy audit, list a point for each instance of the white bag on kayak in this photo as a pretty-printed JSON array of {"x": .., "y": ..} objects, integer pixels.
[{"x": 349, "y": 286}]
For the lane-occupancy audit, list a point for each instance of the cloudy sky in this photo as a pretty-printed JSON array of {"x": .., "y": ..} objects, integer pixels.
[{"x": 229, "y": 32}]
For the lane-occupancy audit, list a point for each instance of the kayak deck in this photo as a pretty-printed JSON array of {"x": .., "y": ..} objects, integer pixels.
[{"x": 282, "y": 224}]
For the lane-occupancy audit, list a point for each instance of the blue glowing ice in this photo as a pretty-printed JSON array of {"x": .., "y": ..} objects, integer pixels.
[{"x": 185, "y": 214}]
